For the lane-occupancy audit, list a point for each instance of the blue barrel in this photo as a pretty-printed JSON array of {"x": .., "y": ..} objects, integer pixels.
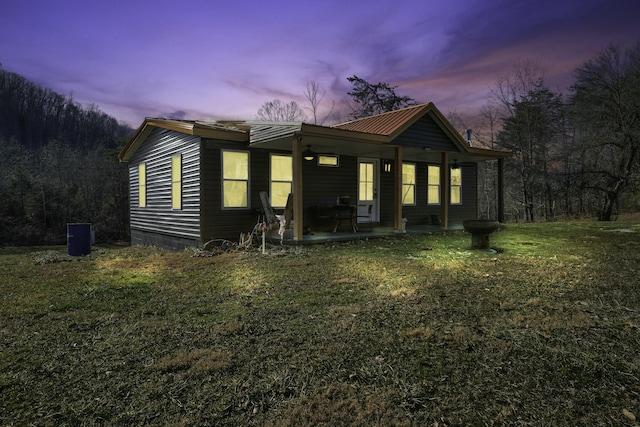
[{"x": 78, "y": 239}]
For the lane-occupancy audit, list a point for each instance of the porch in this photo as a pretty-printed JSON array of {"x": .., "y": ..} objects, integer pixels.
[{"x": 364, "y": 232}]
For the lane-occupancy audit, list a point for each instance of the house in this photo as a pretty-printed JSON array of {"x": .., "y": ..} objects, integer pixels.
[{"x": 193, "y": 181}]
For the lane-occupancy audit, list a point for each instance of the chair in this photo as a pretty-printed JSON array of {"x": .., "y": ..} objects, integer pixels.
[{"x": 344, "y": 210}]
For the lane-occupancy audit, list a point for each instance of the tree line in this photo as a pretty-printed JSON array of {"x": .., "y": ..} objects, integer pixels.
[
  {"x": 575, "y": 154},
  {"x": 58, "y": 165}
]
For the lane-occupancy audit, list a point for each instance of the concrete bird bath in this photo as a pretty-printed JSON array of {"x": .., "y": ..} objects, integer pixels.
[{"x": 480, "y": 230}]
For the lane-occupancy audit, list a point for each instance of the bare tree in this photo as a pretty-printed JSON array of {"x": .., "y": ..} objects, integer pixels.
[
  {"x": 529, "y": 112},
  {"x": 606, "y": 113},
  {"x": 278, "y": 111},
  {"x": 315, "y": 95}
]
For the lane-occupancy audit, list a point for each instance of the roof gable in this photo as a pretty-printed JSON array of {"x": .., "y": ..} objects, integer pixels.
[
  {"x": 387, "y": 124},
  {"x": 206, "y": 129}
]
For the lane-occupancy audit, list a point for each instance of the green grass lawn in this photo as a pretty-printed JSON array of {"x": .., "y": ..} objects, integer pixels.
[{"x": 413, "y": 330}]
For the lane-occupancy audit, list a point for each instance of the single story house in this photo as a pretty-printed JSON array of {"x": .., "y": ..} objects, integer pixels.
[{"x": 194, "y": 181}]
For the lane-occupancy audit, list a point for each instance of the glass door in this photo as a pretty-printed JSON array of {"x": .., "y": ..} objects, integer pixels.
[{"x": 368, "y": 201}]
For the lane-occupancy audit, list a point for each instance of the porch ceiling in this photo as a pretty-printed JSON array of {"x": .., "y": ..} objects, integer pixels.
[{"x": 322, "y": 145}]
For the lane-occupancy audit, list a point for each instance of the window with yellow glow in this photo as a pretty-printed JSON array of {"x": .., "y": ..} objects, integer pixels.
[
  {"x": 281, "y": 179},
  {"x": 433, "y": 185},
  {"x": 408, "y": 184},
  {"x": 235, "y": 179},
  {"x": 456, "y": 186},
  {"x": 176, "y": 182},
  {"x": 327, "y": 160},
  {"x": 142, "y": 185},
  {"x": 366, "y": 184}
]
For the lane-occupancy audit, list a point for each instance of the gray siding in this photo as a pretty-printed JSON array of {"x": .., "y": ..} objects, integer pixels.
[
  {"x": 158, "y": 223},
  {"x": 426, "y": 133}
]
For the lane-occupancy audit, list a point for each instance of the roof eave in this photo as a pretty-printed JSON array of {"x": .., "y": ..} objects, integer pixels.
[{"x": 186, "y": 127}]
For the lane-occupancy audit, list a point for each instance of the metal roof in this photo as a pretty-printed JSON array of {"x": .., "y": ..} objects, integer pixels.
[{"x": 387, "y": 124}]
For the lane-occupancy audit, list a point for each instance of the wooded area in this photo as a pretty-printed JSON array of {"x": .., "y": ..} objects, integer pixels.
[
  {"x": 575, "y": 154},
  {"x": 58, "y": 164}
]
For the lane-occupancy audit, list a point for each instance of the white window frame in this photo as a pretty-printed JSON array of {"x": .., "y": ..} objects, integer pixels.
[
  {"x": 224, "y": 180},
  {"x": 411, "y": 185},
  {"x": 142, "y": 185},
  {"x": 275, "y": 203},
  {"x": 452, "y": 185},
  {"x": 431, "y": 185},
  {"x": 176, "y": 184}
]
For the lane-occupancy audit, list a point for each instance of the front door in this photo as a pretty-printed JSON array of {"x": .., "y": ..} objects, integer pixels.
[{"x": 368, "y": 200}]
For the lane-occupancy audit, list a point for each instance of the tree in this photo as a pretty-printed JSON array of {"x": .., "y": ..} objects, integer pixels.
[
  {"x": 529, "y": 112},
  {"x": 315, "y": 97},
  {"x": 606, "y": 113},
  {"x": 371, "y": 99},
  {"x": 278, "y": 111}
]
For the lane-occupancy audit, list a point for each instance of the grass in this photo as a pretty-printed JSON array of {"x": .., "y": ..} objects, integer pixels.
[{"x": 414, "y": 330}]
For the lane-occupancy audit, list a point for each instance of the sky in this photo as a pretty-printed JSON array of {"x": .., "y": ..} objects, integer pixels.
[{"x": 223, "y": 59}]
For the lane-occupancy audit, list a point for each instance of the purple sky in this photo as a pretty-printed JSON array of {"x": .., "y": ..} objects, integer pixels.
[{"x": 222, "y": 59}]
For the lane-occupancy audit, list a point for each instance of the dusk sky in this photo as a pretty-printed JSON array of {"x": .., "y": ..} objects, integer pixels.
[{"x": 223, "y": 59}]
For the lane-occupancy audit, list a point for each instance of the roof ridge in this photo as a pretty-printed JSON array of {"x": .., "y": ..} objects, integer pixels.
[{"x": 384, "y": 113}]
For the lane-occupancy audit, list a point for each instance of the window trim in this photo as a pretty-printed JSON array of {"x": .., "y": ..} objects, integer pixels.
[
  {"x": 451, "y": 185},
  {"x": 176, "y": 204},
  {"x": 436, "y": 186},
  {"x": 247, "y": 181},
  {"x": 413, "y": 184},
  {"x": 271, "y": 180},
  {"x": 326, "y": 163},
  {"x": 142, "y": 185}
]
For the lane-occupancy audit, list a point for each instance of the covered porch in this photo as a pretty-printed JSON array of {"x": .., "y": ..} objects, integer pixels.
[
  {"x": 368, "y": 157},
  {"x": 364, "y": 233}
]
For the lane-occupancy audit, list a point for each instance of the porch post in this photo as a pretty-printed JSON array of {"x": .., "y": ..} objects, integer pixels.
[
  {"x": 501, "y": 191},
  {"x": 297, "y": 189},
  {"x": 397, "y": 204},
  {"x": 445, "y": 178}
]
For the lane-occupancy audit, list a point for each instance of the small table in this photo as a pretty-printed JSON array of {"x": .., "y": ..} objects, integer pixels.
[{"x": 345, "y": 212}]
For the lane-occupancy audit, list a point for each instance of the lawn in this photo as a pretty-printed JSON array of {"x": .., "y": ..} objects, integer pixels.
[{"x": 413, "y": 330}]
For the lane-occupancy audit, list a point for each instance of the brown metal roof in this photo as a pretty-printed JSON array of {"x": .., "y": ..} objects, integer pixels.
[{"x": 389, "y": 123}]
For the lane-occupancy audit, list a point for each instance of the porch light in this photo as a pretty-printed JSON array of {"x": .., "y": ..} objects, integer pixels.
[
  {"x": 308, "y": 154},
  {"x": 387, "y": 165},
  {"x": 455, "y": 164}
]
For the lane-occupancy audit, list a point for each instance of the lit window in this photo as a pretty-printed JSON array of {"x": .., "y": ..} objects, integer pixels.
[
  {"x": 408, "y": 184},
  {"x": 433, "y": 185},
  {"x": 142, "y": 185},
  {"x": 456, "y": 186},
  {"x": 235, "y": 179},
  {"x": 176, "y": 182},
  {"x": 328, "y": 160},
  {"x": 281, "y": 179},
  {"x": 366, "y": 182}
]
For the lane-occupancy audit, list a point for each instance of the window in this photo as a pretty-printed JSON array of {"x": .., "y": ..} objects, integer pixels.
[
  {"x": 142, "y": 185},
  {"x": 366, "y": 181},
  {"x": 408, "y": 184},
  {"x": 281, "y": 179},
  {"x": 235, "y": 179},
  {"x": 327, "y": 160},
  {"x": 176, "y": 182},
  {"x": 433, "y": 185},
  {"x": 456, "y": 186}
]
